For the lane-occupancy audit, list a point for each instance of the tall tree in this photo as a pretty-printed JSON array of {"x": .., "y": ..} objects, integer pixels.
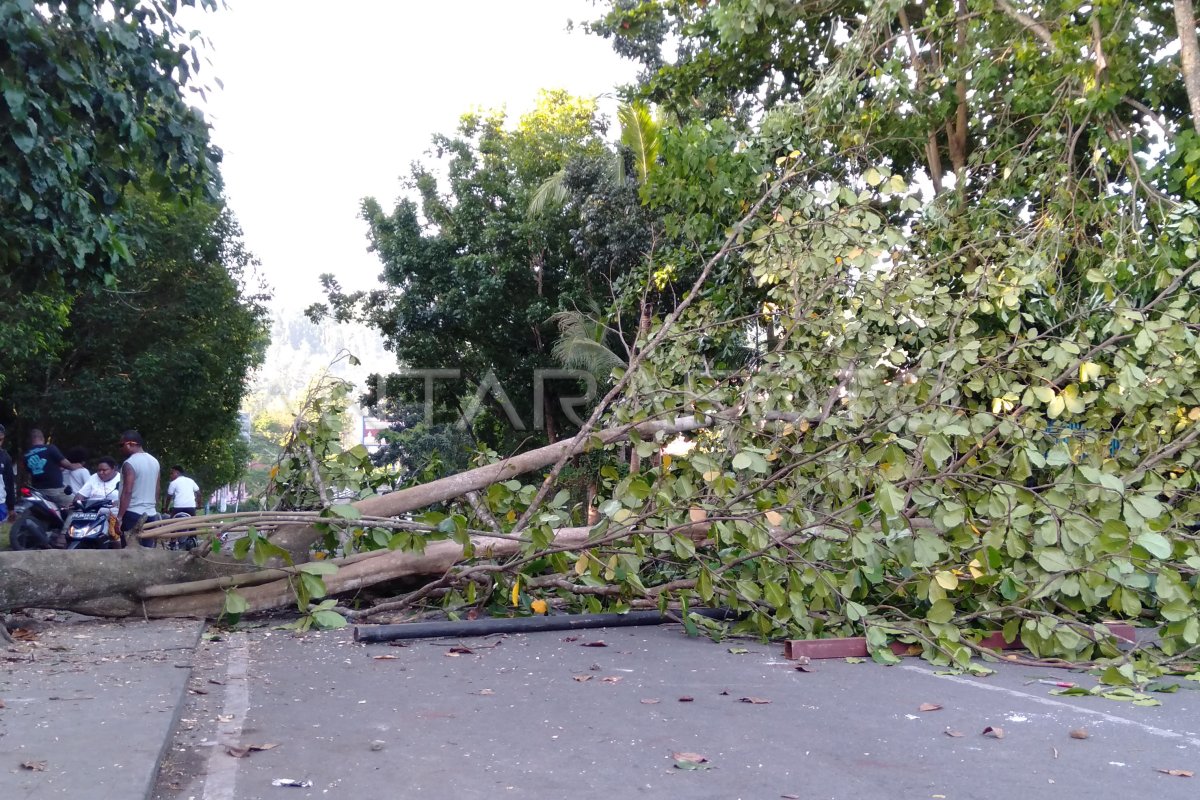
[
  {"x": 470, "y": 279},
  {"x": 93, "y": 101},
  {"x": 169, "y": 349}
]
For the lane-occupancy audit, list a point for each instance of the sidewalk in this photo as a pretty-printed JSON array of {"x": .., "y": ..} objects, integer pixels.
[{"x": 89, "y": 705}]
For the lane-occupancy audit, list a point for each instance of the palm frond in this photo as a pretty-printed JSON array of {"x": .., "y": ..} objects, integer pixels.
[
  {"x": 551, "y": 194},
  {"x": 642, "y": 134},
  {"x": 581, "y": 344}
]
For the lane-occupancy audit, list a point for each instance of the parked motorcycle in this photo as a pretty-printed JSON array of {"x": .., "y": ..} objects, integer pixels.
[
  {"x": 42, "y": 525},
  {"x": 187, "y": 542}
]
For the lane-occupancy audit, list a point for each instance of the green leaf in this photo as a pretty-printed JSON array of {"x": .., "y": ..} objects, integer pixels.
[
  {"x": 1044, "y": 394},
  {"x": 329, "y": 620},
  {"x": 1052, "y": 559},
  {"x": 313, "y": 585},
  {"x": 890, "y": 499},
  {"x": 938, "y": 449},
  {"x": 940, "y": 612},
  {"x": 1155, "y": 543},
  {"x": 318, "y": 567},
  {"x": 1145, "y": 505},
  {"x": 345, "y": 512},
  {"x": 856, "y": 611},
  {"x": 235, "y": 605}
]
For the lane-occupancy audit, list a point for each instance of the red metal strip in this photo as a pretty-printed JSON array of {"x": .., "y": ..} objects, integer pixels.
[{"x": 856, "y": 646}]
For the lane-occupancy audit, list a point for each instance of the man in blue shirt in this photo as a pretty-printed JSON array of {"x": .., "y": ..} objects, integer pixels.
[{"x": 45, "y": 463}]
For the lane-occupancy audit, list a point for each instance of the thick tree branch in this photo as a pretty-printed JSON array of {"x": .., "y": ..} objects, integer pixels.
[
  {"x": 1189, "y": 55},
  {"x": 1029, "y": 23}
]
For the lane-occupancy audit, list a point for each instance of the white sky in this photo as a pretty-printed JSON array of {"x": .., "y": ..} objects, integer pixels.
[{"x": 326, "y": 103}]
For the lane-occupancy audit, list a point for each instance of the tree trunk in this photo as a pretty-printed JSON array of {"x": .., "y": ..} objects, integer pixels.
[
  {"x": 113, "y": 582},
  {"x": 1189, "y": 56},
  {"x": 64, "y": 579}
]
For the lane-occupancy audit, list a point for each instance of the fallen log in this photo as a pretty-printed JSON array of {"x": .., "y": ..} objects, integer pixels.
[
  {"x": 111, "y": 583},
  {"x": 299, "y": 540},
  {"x": 62, "y": 579},
  {"x": 383, "y": 565}
]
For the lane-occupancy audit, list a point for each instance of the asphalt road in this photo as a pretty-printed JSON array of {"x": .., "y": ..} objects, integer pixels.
[{"x": 545, "y": 716}]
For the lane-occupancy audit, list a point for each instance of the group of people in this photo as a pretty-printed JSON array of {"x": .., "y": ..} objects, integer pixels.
[{"x": 64, "y": 479}]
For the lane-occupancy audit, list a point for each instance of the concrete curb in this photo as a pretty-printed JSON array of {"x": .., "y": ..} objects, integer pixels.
[{"x": 176, "y": 714}]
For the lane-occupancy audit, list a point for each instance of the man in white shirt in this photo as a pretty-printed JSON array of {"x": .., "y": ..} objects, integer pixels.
[{"x": 183, "y": 492}]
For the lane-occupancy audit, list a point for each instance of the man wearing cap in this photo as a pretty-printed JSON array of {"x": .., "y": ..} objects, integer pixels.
[
  {"x": 8, "y": 479},
  {"x": 139, "y": 486}
]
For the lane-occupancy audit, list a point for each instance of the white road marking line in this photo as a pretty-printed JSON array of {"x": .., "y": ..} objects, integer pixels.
[
  {"x": 220, "y": 779},
  {"x": 1046, "y": 701}
]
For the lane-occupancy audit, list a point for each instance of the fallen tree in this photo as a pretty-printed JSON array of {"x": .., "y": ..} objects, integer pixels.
[
  {"x": 1010, "y": 358},
  {"x": 116, "y": 582}
]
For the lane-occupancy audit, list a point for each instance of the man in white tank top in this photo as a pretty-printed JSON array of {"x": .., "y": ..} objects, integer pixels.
[{"x": 139, "y": 486}]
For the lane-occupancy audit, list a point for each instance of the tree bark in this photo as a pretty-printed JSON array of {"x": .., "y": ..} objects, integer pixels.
[
  {"x": 112, "y": 582},
  {"x": 63, "y": 579},
  {"x": 1189, "y": 55}
]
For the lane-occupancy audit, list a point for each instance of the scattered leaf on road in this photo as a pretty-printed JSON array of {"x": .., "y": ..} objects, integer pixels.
[
  {"x": 581, "y": 678},
  {"x": 929, "y": 707},
  {"x": 485, "y": 692},
  {"x": 738, "y": 651},
  {"x": 995, "y": 733},
  {"x": 690, "y": 761},
  {"x": 570, "y": 638},
  {"x": 611, "y": 679},
  {"x": 687, "y": 698},
  {"x": 855, "y": 660},
  {"x": 1079, "y": 733},
  {"x": 35, "y": 766},
  {"x": 953, "y": 733},
  {"x": 385, "y": 658},
  {"x": 224, "y": 717},
  {"x": 650, "y": 701},
  {"x": 594, "y": 644},
  {"x": 757, "y": 701},
  {"x": 459, "y": 650},
  {"x": 1178, "y": 773},
  {"x": 266, "y": 746},
  {"x": 237, "y": 752}
]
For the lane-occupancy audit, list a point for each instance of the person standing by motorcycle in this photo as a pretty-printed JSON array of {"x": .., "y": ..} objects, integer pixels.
[
  {"x": 183, "y": 492},
  {"x": 45, "y": 464},
  {"x": 8, "y": 480},
  {"x": 139, "y": 486}
]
